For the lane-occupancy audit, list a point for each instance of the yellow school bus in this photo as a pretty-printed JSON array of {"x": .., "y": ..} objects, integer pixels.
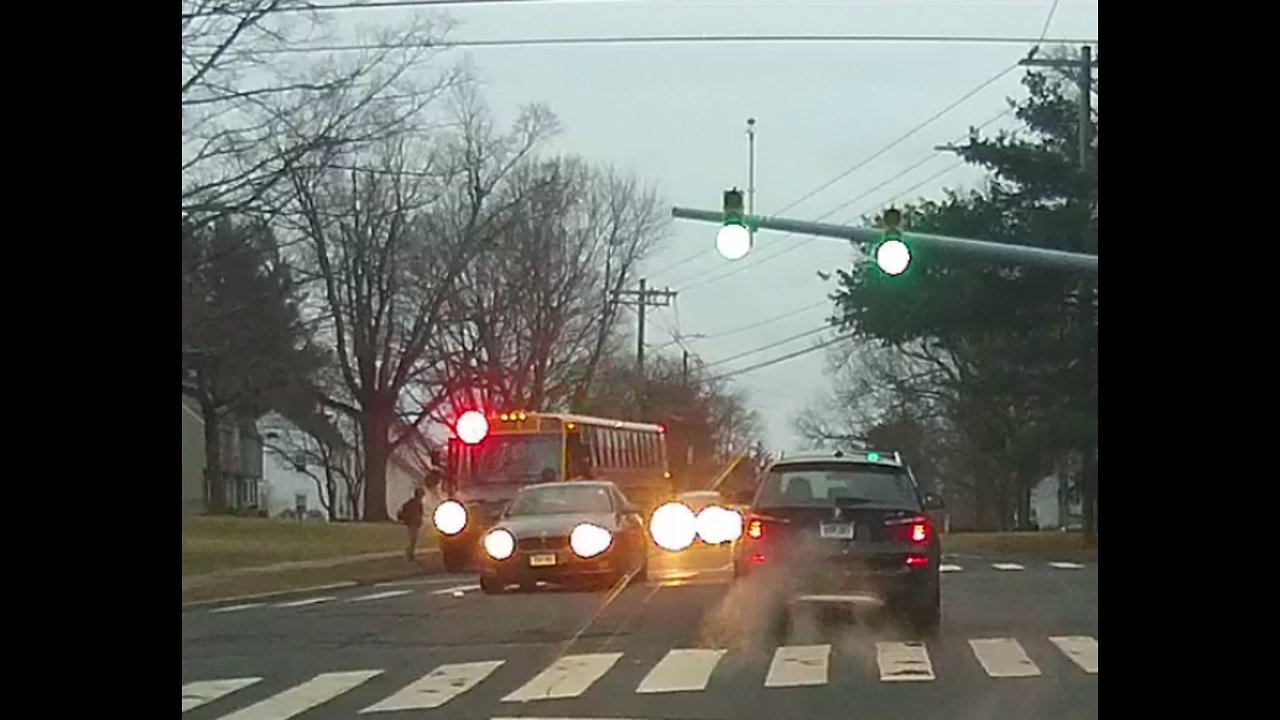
[{"x": 492, "y": 455}]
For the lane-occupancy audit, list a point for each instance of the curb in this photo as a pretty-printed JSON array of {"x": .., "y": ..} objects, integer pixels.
[
  {"x": 273, "y": 593},
  {"x": 313, "y": 588}
]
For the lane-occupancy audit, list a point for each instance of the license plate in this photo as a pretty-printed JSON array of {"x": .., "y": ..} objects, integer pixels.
[
  {"x": 542, "y": 561},
  {"x": 837, "y": 531}
]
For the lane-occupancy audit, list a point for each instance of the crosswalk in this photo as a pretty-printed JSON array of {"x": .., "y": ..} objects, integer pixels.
[
  {"x": 466, "y": 587},
  {"x": 680, "y": 670}
]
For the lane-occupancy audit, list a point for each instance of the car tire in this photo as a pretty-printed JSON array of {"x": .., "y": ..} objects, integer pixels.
[
  {"x": 492, "y": 585},
  {"x": 778, "y": 628},
  {"x": 926, "y": 615},
  {"x": 454, "y": 559}
]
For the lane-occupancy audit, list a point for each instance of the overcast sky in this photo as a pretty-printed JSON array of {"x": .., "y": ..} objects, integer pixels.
[{"x": 675, "y": 115}]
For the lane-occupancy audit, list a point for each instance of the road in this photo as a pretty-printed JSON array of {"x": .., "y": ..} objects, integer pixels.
[{"x": 1019, "y": 639}]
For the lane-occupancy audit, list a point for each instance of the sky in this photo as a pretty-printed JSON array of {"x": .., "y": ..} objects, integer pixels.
[{"x": 675, "y": 116}]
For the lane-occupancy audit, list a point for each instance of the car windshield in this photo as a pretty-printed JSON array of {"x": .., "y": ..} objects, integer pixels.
[
  {"x": 564, "y": 499},
  {"x": 512, "y": 459},
  {"x": 828, "y": 484}
]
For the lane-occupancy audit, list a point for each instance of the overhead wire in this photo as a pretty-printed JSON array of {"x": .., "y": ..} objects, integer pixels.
[
  {"x": 839, "y": 338},
  {"x": 734, "y": 270}
]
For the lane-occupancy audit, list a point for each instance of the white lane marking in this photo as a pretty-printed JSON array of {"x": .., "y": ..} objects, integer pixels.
[
  {"x": 903, "y": 661},
  {"x": 1003, "y": 657},
  {"x": 568, "y": 677},
  {"x": 1080, "y": 649},
  {"x": 1006, "y": 566},
  {"x": 798, "y": 665},
  {"x": 380, "y": 596},
  {"x": 305, "y": 602},
  {"x": 437, "y": 687},
  {"x": 681, "y": 671},
  {"x": 237, "y": 608},
  {"x": 300, "y": 698},
  {"x": 456, "y": 589},
  {"x": 950, "y": 568},
  {"x": 1066, "y": 565},
  {"x": 203, "y": 692},
  {"x": 444, "y": 580}
]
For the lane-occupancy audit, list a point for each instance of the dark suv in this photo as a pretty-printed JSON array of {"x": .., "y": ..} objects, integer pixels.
[{"x": 847, "y": 529}]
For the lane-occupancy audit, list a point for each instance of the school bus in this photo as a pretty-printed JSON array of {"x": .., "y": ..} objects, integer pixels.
[{"x": 492, "y": 455}]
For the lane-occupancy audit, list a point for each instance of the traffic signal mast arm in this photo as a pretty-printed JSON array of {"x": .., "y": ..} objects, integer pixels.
[{"x": 1023, "y": 254}]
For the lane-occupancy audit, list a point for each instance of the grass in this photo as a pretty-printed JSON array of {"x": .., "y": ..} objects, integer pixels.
[
  {"x": 226, "y": 557},
  {"x": 1048, "y": 545},
  {"x": 363, "y": 571},
  {"x": 220, "y": 544}
]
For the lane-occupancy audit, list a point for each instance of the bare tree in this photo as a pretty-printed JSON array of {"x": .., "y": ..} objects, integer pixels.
[
  {"x": 537, "y": 315},
  {"x": 390, "y": 234},
  {"x": 254, "y": 108}
]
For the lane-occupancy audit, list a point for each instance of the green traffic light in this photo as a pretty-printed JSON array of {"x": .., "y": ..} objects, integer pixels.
[
  {"x": 873, "y": 456},
  {"x": 892, "y": 255}
]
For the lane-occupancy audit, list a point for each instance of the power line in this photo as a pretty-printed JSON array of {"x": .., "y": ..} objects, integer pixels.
[
  {"x": 766, "y": 321},
  {"x": 657, "y": 40},
  {"x": 982, "y": 86},
  {"x": 770, "y": 346},
  {"x": 796, "y": 246},
  {"x": 775, "y": 361}
]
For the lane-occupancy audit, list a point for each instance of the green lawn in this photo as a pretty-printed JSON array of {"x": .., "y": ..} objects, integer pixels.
[
  {"x": 1048, "y": 545},
  {"x": 213, "y": 544}
]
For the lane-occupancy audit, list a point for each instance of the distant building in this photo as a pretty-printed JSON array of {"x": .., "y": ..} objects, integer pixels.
[
  {"x": 271, "y": 467},
  {"x": 241, "y": 448}
]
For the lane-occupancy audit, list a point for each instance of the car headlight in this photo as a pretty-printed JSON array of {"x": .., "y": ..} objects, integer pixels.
[
  {"x": 500, "y": 544},
  {"x": 589, "y": 540},
  {"x": 673, "y": 526},
  {"x": 717, "y": 525},
  {"x": 450, "y": 517}
]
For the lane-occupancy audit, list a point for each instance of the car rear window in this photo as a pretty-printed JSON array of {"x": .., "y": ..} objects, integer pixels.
[{"x": 826, "y": 484}]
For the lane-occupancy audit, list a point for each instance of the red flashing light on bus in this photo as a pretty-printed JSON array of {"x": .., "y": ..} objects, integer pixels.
[{"x": 471, "y": 427}]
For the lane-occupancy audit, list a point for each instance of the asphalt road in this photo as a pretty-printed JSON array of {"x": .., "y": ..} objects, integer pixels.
[{"x": 1019, "y": 639}]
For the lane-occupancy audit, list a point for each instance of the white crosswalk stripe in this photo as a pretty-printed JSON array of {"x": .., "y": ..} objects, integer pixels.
[
  {"x": 798, "y": 665},
  {"x": 679, "y": 670},
  {"x": 1003, "y": 657},
  {"x": 300, "y": 698},
  {"x": 204, "y": 692},
  {"x": 1082, "y": 651},
  {"x": 1006, "y": 566},
  {"x": 439, "y": 687},
  {"x": 903, "y": 661},
  {"x": 568, "y": 677}
]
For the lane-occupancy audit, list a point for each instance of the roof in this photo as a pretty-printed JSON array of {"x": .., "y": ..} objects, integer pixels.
[
  {"x": 860, "y": 457},
  {"x": 603, "y": 422}
]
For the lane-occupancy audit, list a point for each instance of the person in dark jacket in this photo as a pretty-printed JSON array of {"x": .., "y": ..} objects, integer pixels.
[{"x": 411, "y": 514}]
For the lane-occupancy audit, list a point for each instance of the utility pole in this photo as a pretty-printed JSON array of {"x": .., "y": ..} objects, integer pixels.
[
  {"x": 751, "y": 172},
  {"x": 1083, "y": 70},
  {"x": 642, "y": 299}
]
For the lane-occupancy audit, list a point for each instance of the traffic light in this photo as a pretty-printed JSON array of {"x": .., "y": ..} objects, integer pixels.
[
  {"x": 733, "y": 241},
  {"x": 892, "y": 254}
]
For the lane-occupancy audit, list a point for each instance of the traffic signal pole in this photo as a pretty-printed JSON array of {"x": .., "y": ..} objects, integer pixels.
[{"x": 956, "y": 246}]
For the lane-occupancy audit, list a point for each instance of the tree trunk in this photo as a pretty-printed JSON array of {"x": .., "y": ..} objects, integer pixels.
[
  {"x": 215, "y": 488},
  {"x": 1024, "y": 506},
  {"x": 1089, "y": 495},
  {"x": 377, "y": 438}
]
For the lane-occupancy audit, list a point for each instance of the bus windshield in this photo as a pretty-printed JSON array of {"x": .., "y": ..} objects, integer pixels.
[{"x": 510, "y": 459}]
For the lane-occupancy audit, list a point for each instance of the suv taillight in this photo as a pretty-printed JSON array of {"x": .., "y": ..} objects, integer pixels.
[
  {"x": 755, "y": 529},
  {"x": 915, "y": 530}
]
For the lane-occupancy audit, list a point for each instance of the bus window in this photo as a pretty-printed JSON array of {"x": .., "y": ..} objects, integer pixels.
[
  {"x": 578, "y": 456},
  {"x": 593, "y": 440}
]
